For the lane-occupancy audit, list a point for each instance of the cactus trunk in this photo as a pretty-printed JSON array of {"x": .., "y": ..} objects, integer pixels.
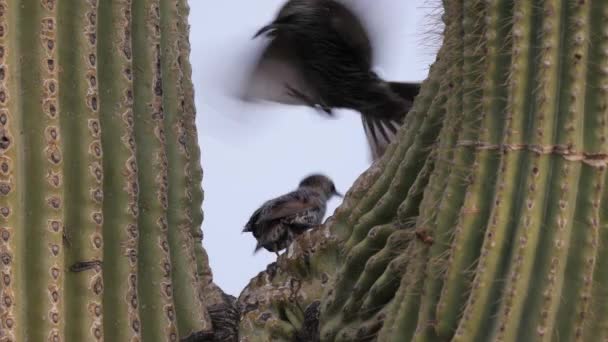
[
  {"x": 487, "y": 219},
  {"x": 100, "y": 175}
]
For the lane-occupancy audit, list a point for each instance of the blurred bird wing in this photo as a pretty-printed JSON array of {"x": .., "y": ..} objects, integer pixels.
[
  {"x": 380, "y": 133},
  {"x": 274, "y": 73},
  {"x": 288, "y": 205},
  {"x": 352, "y": 31},
  {"x": 406, "y": 90}
]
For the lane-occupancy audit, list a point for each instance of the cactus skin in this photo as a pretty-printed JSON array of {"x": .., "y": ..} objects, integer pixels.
[
  {"x": 487, "y": 219},
  {"x": 100, "y": 174}
]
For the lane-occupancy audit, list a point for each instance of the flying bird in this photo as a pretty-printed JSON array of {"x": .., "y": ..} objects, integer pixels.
[
  {"x": 320, "y": 55},
  {"x": 278, "y": 221}
]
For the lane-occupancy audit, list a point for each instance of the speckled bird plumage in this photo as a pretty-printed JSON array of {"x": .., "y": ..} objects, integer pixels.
[
  {"x": 321, "y": 55},
  {"x": 278, "y": 221}
]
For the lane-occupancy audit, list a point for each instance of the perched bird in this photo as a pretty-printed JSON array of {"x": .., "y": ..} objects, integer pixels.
[
  {"x": 278, "y": 221},
  {"x": 320, "y": 55}
]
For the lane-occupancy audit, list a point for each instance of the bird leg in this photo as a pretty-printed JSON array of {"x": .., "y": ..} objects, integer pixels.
[{"x": 295, "y": 93}]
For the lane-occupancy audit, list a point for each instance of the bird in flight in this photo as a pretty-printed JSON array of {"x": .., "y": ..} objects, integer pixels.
[{"x": 320, "y": 55}]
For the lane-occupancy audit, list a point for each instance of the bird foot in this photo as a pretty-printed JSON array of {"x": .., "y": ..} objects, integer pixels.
[{"x": 295, "y": 93}]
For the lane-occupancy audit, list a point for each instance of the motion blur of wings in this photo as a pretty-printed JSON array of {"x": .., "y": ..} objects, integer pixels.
[{"x": 328, "y": 68}]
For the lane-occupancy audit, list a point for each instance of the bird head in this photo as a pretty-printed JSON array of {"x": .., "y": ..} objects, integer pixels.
[{"x": 322, "y": 184}]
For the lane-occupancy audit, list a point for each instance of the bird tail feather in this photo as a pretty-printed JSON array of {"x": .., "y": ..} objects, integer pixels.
[
  {"x": 380, "y": 132},
  {"x": 382, "y": 123}
]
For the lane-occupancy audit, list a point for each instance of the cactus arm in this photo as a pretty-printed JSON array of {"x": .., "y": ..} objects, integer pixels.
[{"x": 84, "y": 250}]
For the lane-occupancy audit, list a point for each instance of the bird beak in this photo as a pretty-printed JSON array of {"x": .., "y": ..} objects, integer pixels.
[
  {"x": 265, "y": 29},
  {"x": 338, "y": 194}
]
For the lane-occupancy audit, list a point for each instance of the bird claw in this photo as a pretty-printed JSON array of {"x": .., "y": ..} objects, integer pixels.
[
  {"x": 295, "y": 93},
  {"x": 325, "y": 109}
]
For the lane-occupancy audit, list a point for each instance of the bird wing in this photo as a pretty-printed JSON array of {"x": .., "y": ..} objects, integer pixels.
[
  {"x": 288, "y": 205},
  {"x": 276, "y": 72},
  {"x": 250, "y": 226},
  {"x": 348, "y": 26},
  {"x": 275, "y": 237},
  {"x": 407, "y": 91},
  {"x": 380, "y": 133}
]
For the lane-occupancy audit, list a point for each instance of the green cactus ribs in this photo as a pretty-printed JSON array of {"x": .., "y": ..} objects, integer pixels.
[
  {"x": 99, "y": 174},
  {"x": 487, "y": 219}
]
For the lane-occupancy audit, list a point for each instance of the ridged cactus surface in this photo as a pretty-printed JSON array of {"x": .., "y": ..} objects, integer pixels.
[
  {"x": 487, "y": 221},
  {"x": 100, "y": 198}
]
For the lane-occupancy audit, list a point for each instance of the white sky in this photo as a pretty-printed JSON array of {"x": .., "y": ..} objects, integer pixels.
[{"x": 254, "y": 152}]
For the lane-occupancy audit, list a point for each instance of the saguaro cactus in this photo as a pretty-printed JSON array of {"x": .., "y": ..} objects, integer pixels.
[
  {"x": 487, "y": 220},
  {"x": 100, "y": 198}
]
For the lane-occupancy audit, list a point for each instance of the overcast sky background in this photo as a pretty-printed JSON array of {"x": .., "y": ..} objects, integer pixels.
[{"x": 254, "y": 152}]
